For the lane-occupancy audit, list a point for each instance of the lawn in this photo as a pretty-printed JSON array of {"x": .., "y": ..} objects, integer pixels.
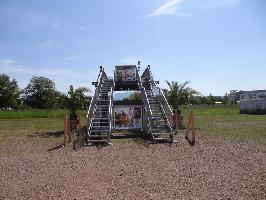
[
  {"x": 211, "y": 121},
  {"x": 227, "y": 122},
  {"x": 36, "y": 113}
]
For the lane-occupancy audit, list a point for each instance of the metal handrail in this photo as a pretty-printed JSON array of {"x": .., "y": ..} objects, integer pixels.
[
  {"x": 93, "y": 100},
  {"x": 166, "y": 102},
  {"x": 162, "y": 101},
  {"x": 169, "y": 121},
  {"x": 146, "y": 102},
  {"x": 110, "y": 113},
  {"x": 92, "y": 106}
]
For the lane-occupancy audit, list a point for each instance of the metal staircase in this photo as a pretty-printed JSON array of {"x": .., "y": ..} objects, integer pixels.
[
  {"x": 158, "y": 112},
  {"x": 100, "y": 112}
]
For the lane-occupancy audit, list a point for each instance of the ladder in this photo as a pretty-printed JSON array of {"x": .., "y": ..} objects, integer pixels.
[
  {"x": 100, "y": 112},
  {"x": 160, "y": 113}
]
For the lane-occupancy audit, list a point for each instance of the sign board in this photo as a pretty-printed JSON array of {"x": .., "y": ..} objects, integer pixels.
[
  {"x": 127, "y": 117},
  {"x": 125, "y": 73}
]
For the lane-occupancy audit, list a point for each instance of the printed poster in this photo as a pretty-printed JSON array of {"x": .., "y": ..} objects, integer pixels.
[
  {"x": 126, "y": 73},
  {"x": 127, "y": 117}
]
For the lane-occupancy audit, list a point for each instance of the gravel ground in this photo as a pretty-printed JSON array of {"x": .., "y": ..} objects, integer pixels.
[{"x": 212, "y": 169}]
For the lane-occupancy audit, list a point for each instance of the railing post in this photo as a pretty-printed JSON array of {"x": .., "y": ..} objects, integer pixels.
[
  {"x": 65, "y": 129},
  {"x": 176, "y": 122},
  {"x": 191, "y": 127}
]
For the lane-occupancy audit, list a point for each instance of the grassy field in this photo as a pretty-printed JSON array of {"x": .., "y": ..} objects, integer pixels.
[
  {"x": 214, "y": 121},
  {"x": 226, "y": 122},
  {"x": 36, "y": 113}
]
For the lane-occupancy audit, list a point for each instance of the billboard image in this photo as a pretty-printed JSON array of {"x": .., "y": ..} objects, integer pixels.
[
  {"x": 126, "y": 73},
  {"x": 127, "y": 117}
]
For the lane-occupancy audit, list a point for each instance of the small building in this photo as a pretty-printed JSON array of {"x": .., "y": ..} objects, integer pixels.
[{"x": 253, "y": 102}]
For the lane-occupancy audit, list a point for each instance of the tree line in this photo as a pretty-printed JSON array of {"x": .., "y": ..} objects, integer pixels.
[
  {"x": 40, "y": 93},
  {"x": 181, "y": 94}
]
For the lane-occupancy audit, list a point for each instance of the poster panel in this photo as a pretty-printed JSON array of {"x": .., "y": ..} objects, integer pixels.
[
  {"x": 126, "y": 73},
  {"x": 127, "y": 117}
]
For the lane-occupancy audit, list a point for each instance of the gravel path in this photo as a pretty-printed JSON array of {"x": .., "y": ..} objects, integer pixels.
[{"x": 212, "y": 169}]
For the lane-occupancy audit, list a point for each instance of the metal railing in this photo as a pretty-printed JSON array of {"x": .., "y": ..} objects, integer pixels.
[
  {"x": 110, "y": 113},
  {"x": 93, "y": 103},
  {"x": 159, "y": 94},
  {"x": 147, "y": 107},
  {"x": 165, "y": 106}
]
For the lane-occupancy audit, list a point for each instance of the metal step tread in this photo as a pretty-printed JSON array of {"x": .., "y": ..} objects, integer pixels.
[
  {"x": 100, "y": 118},
  {"x": 99, "y": 127},
  {"x": 97, "y": 131}
]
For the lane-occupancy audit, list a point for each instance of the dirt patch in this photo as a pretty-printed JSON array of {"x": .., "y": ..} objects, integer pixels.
[{"x": 212, "y": 169}]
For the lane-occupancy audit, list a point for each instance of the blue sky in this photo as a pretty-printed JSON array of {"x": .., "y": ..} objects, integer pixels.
[{"x": 218, "y": 45}]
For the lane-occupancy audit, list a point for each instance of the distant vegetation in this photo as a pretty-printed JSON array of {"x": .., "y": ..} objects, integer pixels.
[
  {"x": 180, "y": 94},
  {"x": 41, "y": 93}
]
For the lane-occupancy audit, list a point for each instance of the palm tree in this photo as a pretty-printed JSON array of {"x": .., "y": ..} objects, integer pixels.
[
  {"x": 179, "y": 93},
  {"x": 76, "y": 99}
]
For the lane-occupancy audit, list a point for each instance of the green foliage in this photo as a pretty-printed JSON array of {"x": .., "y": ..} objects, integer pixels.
[
  {"x": 37, "y": 113},
  {"x": 76, "y": 99},
  {"x": 40, "y": 93},
  {"x": 180, "y": 93},
  {"x": 135, "y": 96},
  {"x": 225, "y": 99},
  {"x": 9, "y": 92}
]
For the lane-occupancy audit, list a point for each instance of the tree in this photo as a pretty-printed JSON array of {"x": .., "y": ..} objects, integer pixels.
[
  {"x": 9, "y": 92},
  {"x": 40, "y": 93},
  {"x": 179, "y": 93},
  {"x": 135, "y": 96},
  {"x": 76, "y": 100},
  {"x": 210, "y": 99},
  {"x": 225, "y": 99}
]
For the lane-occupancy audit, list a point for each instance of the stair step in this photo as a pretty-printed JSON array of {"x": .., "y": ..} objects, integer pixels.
[
  {"x": 99, "y": 127},
  {"x": 161, "y": 139},
  {"x": 101, "y": 115},
  {"x": 100, "y": 122},
  {"x": 97, "y": 136},
  {"x": 100, "y": 118},
  {"x": 99, "y": 131},
  {"x": 156, "y": 114},
  {"x": 97, "y": 140}
]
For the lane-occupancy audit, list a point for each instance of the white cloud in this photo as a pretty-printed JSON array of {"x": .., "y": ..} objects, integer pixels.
[
  {"x": 11, "y": 66},
  {"x": 63, "y": 77},
  {"x": 56, "y": 24},
  {"x": 45, "y": 44},
  {"x": 84, "y": 28},
  {"x": 169, "y": 8},
  {"x": 173, "y": 7}
]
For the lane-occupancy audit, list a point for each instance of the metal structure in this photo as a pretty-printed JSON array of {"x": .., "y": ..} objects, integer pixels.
[{"x": 156, "y": 114}]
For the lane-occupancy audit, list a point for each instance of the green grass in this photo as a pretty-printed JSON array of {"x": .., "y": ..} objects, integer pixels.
[
  {"x": 42, "y": 129},
  {"x": 226, "y": 122},
  {"x": 36, "y": 113},
  {"x": 213, "y": 121}
]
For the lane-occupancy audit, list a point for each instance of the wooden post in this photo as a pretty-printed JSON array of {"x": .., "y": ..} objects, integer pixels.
[
  {"x": 176, "y": 122},
  {"x": 69, "y": 129},
  {"x": 191, "y": 127},
  {"x": 65, "y": 129}
]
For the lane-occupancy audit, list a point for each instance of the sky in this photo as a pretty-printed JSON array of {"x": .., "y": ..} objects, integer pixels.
[{"x": 218, "y": 45}]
